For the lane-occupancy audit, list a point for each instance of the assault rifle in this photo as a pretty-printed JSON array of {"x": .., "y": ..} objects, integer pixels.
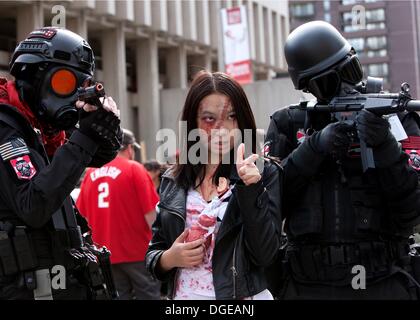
[{"x": 347, "y": 107}]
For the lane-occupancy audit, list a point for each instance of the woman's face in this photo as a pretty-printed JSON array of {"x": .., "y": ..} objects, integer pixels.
[{"x": 217, "y": 119}]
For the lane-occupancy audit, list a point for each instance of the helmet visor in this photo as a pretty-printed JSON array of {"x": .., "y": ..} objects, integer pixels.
[
  {"x": 325, "y": 86},
  {"x": 351, "y": 70}
]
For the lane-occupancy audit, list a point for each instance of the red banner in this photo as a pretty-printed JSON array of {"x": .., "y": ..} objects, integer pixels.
[{"x": 241, "y": 71}]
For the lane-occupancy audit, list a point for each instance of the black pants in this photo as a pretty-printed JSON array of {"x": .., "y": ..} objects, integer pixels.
[
  {"x": 133, "y": 281},
  {"x": 13, "y": 288},
  {"x": 395, "y": 287}
]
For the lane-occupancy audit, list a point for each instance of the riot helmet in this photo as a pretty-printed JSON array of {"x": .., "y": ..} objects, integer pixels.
[
  {"x": 49, "y": 66},
  {"x": 319, "y": 59}
]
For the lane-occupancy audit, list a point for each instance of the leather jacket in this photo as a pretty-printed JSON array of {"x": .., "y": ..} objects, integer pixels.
[{"x": 248, "y": 239}]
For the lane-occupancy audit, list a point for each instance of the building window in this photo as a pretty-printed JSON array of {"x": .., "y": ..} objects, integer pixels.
[
  {"x": 327, "y": 17},
  {"x": 358, "y": 44},
  {"x": 347, "y": 22},
  {"x": 370, "y": 47},
  {"x": 375, "y": 15},
  {"x": 376, "y": 43},
  {"x": 374, "y": 20},
  {"x": 369, "y": 26},
  {"x": 347, "y": 2},
  {"x": 377, "y": 53},
  {"x": 374, "y": 26},
  {"x": 327, "y": 5},
  {"x": 347, "y": 17},
  {"x": 378, "y": 70},
  {"x": 302, "y": 10}
]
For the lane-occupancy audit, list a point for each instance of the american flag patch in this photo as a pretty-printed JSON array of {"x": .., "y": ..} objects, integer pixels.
[{"x": 14, "y": 148}]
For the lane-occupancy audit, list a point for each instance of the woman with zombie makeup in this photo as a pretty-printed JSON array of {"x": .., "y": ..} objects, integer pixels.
[{"x": 218, "y": 224}]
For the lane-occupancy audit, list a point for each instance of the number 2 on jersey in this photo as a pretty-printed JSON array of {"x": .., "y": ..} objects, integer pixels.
[{"x": 103, "y": 189}]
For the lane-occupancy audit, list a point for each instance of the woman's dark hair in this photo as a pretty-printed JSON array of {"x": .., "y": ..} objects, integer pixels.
[{"x": 206, "y": 83}]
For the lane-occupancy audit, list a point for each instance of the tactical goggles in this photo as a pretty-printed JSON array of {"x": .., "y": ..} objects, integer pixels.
[{"x": 327, "y": 84}]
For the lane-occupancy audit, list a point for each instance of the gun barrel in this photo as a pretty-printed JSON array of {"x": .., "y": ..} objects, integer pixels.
[
  {"x": 413, "y": 105},
  {"x": 92, "y": 94}
]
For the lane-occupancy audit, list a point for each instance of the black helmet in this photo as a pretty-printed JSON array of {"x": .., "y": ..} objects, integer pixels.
[
  {"x": 53, "y": 45},
  {"x": 49, "y": 66},
  {"x": 315, "y": 47}
]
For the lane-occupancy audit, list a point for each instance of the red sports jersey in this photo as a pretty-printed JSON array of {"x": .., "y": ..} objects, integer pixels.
[{"x": 114, "y": 199}]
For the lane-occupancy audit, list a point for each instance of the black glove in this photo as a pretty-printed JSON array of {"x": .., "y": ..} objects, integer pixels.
[
  {"x": 106, "y": 152},
  {"x": 375, "y": 131},
  {"x": 334, "y": 139},
  {"x": 101, "y": 126}
]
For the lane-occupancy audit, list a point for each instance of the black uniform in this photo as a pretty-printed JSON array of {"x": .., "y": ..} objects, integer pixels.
[
  {"x": 32, "y": 190},
  {"x": 337, "y": 217},
  {"x": 41, "y": 233}
]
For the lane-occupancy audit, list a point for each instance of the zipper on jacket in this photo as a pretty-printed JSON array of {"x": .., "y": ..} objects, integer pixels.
[{"x": 233, "y": 268}]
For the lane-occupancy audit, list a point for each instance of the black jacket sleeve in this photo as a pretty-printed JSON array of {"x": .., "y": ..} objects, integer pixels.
[
  {"x": 159, "y": 243},
  {"x": 260, "y": 209},
  {"x": 35, "y": 200},
  {"x": 400, "y": 184},
  {"x": 281, "y": 145},
  {"x": 300, "y": 162},
  {"x": 107, "y": 151},
  {"x": 157, "y": 246},
  {"x": 103, "y": 156}
]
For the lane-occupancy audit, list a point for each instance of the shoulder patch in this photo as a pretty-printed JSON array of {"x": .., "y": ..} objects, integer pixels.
[
  {"x": 414, "y": 158},
  {"x": 411, "y": 146},
  {"x": 23, "y": 167},
  {"x": 300, "y": 136},
  {"x": 13, "y": 148}
]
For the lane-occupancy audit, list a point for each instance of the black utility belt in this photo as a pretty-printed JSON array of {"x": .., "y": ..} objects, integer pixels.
[
  {"x": 337, "y": 262},
  {"x": 16, "y": 252}
]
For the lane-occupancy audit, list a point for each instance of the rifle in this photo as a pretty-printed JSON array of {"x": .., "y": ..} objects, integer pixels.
[{"x": 347, "y": 107}]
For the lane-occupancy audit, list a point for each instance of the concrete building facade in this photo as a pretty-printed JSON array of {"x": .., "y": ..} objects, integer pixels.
[{"x": 148, "y": 51}]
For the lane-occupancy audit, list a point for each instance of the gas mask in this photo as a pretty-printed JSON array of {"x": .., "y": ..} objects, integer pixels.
[
  {"x": 56, "y": 95},
  {"x": 49, "y": 66}
]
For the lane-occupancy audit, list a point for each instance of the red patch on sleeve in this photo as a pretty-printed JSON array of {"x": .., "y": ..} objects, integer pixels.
[
  {"x": 414, "y": 158},
  {"x": 23, "y": 167}
]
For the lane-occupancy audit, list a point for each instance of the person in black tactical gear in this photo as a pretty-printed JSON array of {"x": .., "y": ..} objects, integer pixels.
[
  {"x": 40, "y": 229},
  {"x": 344, "y": 226}
]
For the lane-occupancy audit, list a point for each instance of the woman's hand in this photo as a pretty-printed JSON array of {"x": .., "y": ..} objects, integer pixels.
[
  {"x": 182, "y": 255},
  {"x": 247, "y": 169}
]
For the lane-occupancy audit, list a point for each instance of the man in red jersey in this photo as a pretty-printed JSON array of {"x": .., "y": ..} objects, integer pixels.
[{"x": 119, "y": 202}]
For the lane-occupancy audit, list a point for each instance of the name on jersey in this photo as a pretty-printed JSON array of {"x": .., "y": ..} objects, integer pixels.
[{"x": 111, "y": 172}]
